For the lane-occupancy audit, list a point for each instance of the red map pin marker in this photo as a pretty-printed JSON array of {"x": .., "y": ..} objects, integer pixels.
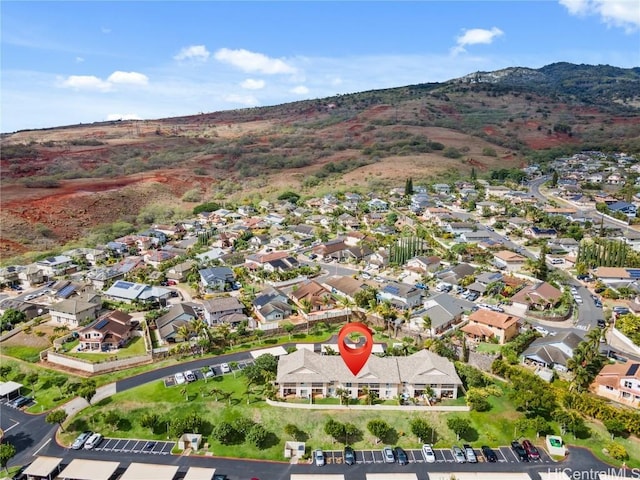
[{"x": 355, "y": 358}]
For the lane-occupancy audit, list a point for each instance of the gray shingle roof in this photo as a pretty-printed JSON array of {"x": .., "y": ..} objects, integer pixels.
[{"x": 423, "y": 367}]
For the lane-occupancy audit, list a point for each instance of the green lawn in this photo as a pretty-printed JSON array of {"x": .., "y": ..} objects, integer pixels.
[
  {"x": 485, "y": 347},
  {"x": 489, "y": 427},
  {"x": 42, "y": 390},
  {"x": 28, "y": 354},
  {"x": 134, "y": 348}
]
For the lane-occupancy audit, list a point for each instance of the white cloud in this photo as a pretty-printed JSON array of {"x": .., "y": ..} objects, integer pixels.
[
  {"x": 300, "y": 90},
  {"x": 93, "y": 83},
  {"x": 252, "y": 84},
  {"x": 120, "y": 116},
  {"x": 616, "y": 13},
  {"x": 85, "y": 82},
  {"x": 253, "y": 62},
  {"x": 105, "y": 30},
  {"x": 128, "y": 78},
  {"x": 193, "y": 52},
  {"x": 246, "y": 100},
  {"x": 475, "y": 36},
  {"x": 79, "y": 59}
]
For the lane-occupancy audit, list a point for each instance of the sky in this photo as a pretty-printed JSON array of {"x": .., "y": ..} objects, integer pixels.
[{"x": 74, "y": 62}]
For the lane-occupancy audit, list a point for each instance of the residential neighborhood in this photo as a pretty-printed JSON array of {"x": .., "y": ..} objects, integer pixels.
[{"x": 447, "y": 277}]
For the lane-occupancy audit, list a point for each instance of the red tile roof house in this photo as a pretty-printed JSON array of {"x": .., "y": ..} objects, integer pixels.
[
  {"x": 486, "y": 325},
  {"x": 111, "y": 331},
  {"x": 619, "y": 382},
  {"x": 541, "y": 296},
  {"x": 508, "y": 260}
]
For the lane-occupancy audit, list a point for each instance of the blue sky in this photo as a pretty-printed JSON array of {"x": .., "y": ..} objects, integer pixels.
[{"x": 71, "y": 62}]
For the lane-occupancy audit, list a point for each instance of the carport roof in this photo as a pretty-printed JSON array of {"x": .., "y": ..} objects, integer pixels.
[
  {"x": 480, "y": 476},
  {"x": 82, "y": 469},
  {"x": 393, "y": 476},
  {"x": 42, "y": 467},
  {"x": 558, "y": 475},
  {"x": 317, "y": 476},
  {"x": 7, "y": 388},
  {"x": 149, "y": 471},
  {"x": 199, "y": 473}
]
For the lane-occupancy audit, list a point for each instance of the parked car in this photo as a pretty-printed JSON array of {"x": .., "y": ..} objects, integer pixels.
[
  {"x": 20, "y": 402},
  {"x": 220, "y": 476},
  {"x": 620, "y": 310},
  {"x": 93, "y": 441},
  {"x": 318, "y": 458},
  {"x": 519, "y": 450},
  {"x": 532, "y": 451},
  {"x": 428, "y": 453},
  {"x": 469, "y": 453},
  {"x": 458, "y": 454},
  {"x": 541, "y": 330},
  {"x": 225, "y": 368},
  {"x": 349, "y": 456},
  {"x": 388, "y": 456},
  {"x": 190, "y": 376},
  {"x": 401, "y": 456},
  {"x": 180, "y": 379},
  {"x": 80, "y": 440},
  {"x": 208, "y": 372},
  {"x": 488, "y": 454},
  {"x": 602, "y": 323}
]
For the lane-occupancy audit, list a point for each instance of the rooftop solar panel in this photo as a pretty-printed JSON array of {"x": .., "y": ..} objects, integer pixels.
[
  {"x": 122, "y": 284},
  {"x": 633, "y": 369},
  {"x": 634, "y": 273},
  {"x": 66, "y": 291},
  {"x": 101, "y": 323}
]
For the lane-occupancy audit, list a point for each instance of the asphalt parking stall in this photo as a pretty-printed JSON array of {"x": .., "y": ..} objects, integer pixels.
[
  {"x": 126, "y": 445},
  {"x": 217, "y": 369},
  {"x": 443, "y": 455}
]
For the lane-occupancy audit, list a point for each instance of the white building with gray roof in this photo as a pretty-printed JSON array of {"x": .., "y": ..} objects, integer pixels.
[{"x": 303, "y": 373}]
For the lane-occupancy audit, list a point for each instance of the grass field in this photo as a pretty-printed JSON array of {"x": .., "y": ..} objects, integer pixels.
[{"x": 494, "y": 427}]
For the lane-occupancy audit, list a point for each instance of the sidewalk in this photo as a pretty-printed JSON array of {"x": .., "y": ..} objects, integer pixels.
[{"x": 78, "y": 403}]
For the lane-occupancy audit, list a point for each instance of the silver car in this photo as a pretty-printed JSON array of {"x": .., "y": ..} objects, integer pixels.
[
  {"x": 458, "y": 454},
  {"x": 388, "y": 456}
]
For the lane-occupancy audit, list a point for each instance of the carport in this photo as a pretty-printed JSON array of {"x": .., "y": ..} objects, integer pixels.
[
  {"x": 81, "y": 469},
  {"x": 316, "y": 476},
  {"x": 559, "y": 475},
  {"x": 479, "y": 476},
  {"x": 199, "y": 473},
  {"x": 393, "y": 476},
  {"x": 149, "y": 471},
  {"x": 43, "y": 468},
  {"x": 7, "y": 388},
  {"x": 275, "y": 351}
]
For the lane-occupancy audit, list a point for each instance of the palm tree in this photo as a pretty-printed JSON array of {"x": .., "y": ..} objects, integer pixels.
[
  {"x": 426, "y": 320},
  {"x": 184, "y": 331},
  {"x": 347, "y": 304},
  {"x": 306, "y": 306}
]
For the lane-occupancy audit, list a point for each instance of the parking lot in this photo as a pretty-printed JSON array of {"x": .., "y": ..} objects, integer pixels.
[
  {"x": 125, "y": 445},
  {"x": 504, "y": 454},
  {"x": 216, "y": 367}
]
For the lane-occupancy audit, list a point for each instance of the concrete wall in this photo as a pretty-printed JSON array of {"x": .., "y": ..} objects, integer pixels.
[{"x": 94, "y": 368}]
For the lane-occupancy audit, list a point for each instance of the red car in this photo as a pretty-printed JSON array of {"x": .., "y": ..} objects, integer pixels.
[{"x": 532, "y": 451}]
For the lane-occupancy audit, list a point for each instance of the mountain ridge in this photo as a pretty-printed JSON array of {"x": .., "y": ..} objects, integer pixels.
[{"x": 61, "y": 184}]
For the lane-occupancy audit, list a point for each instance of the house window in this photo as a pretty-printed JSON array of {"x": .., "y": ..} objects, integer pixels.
[
  {"x": 347, "y": 385},
  {"x": 626, "y": 394},
  {"x": 609, "y": 388},
  {"x": 628, "y": 384}
]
